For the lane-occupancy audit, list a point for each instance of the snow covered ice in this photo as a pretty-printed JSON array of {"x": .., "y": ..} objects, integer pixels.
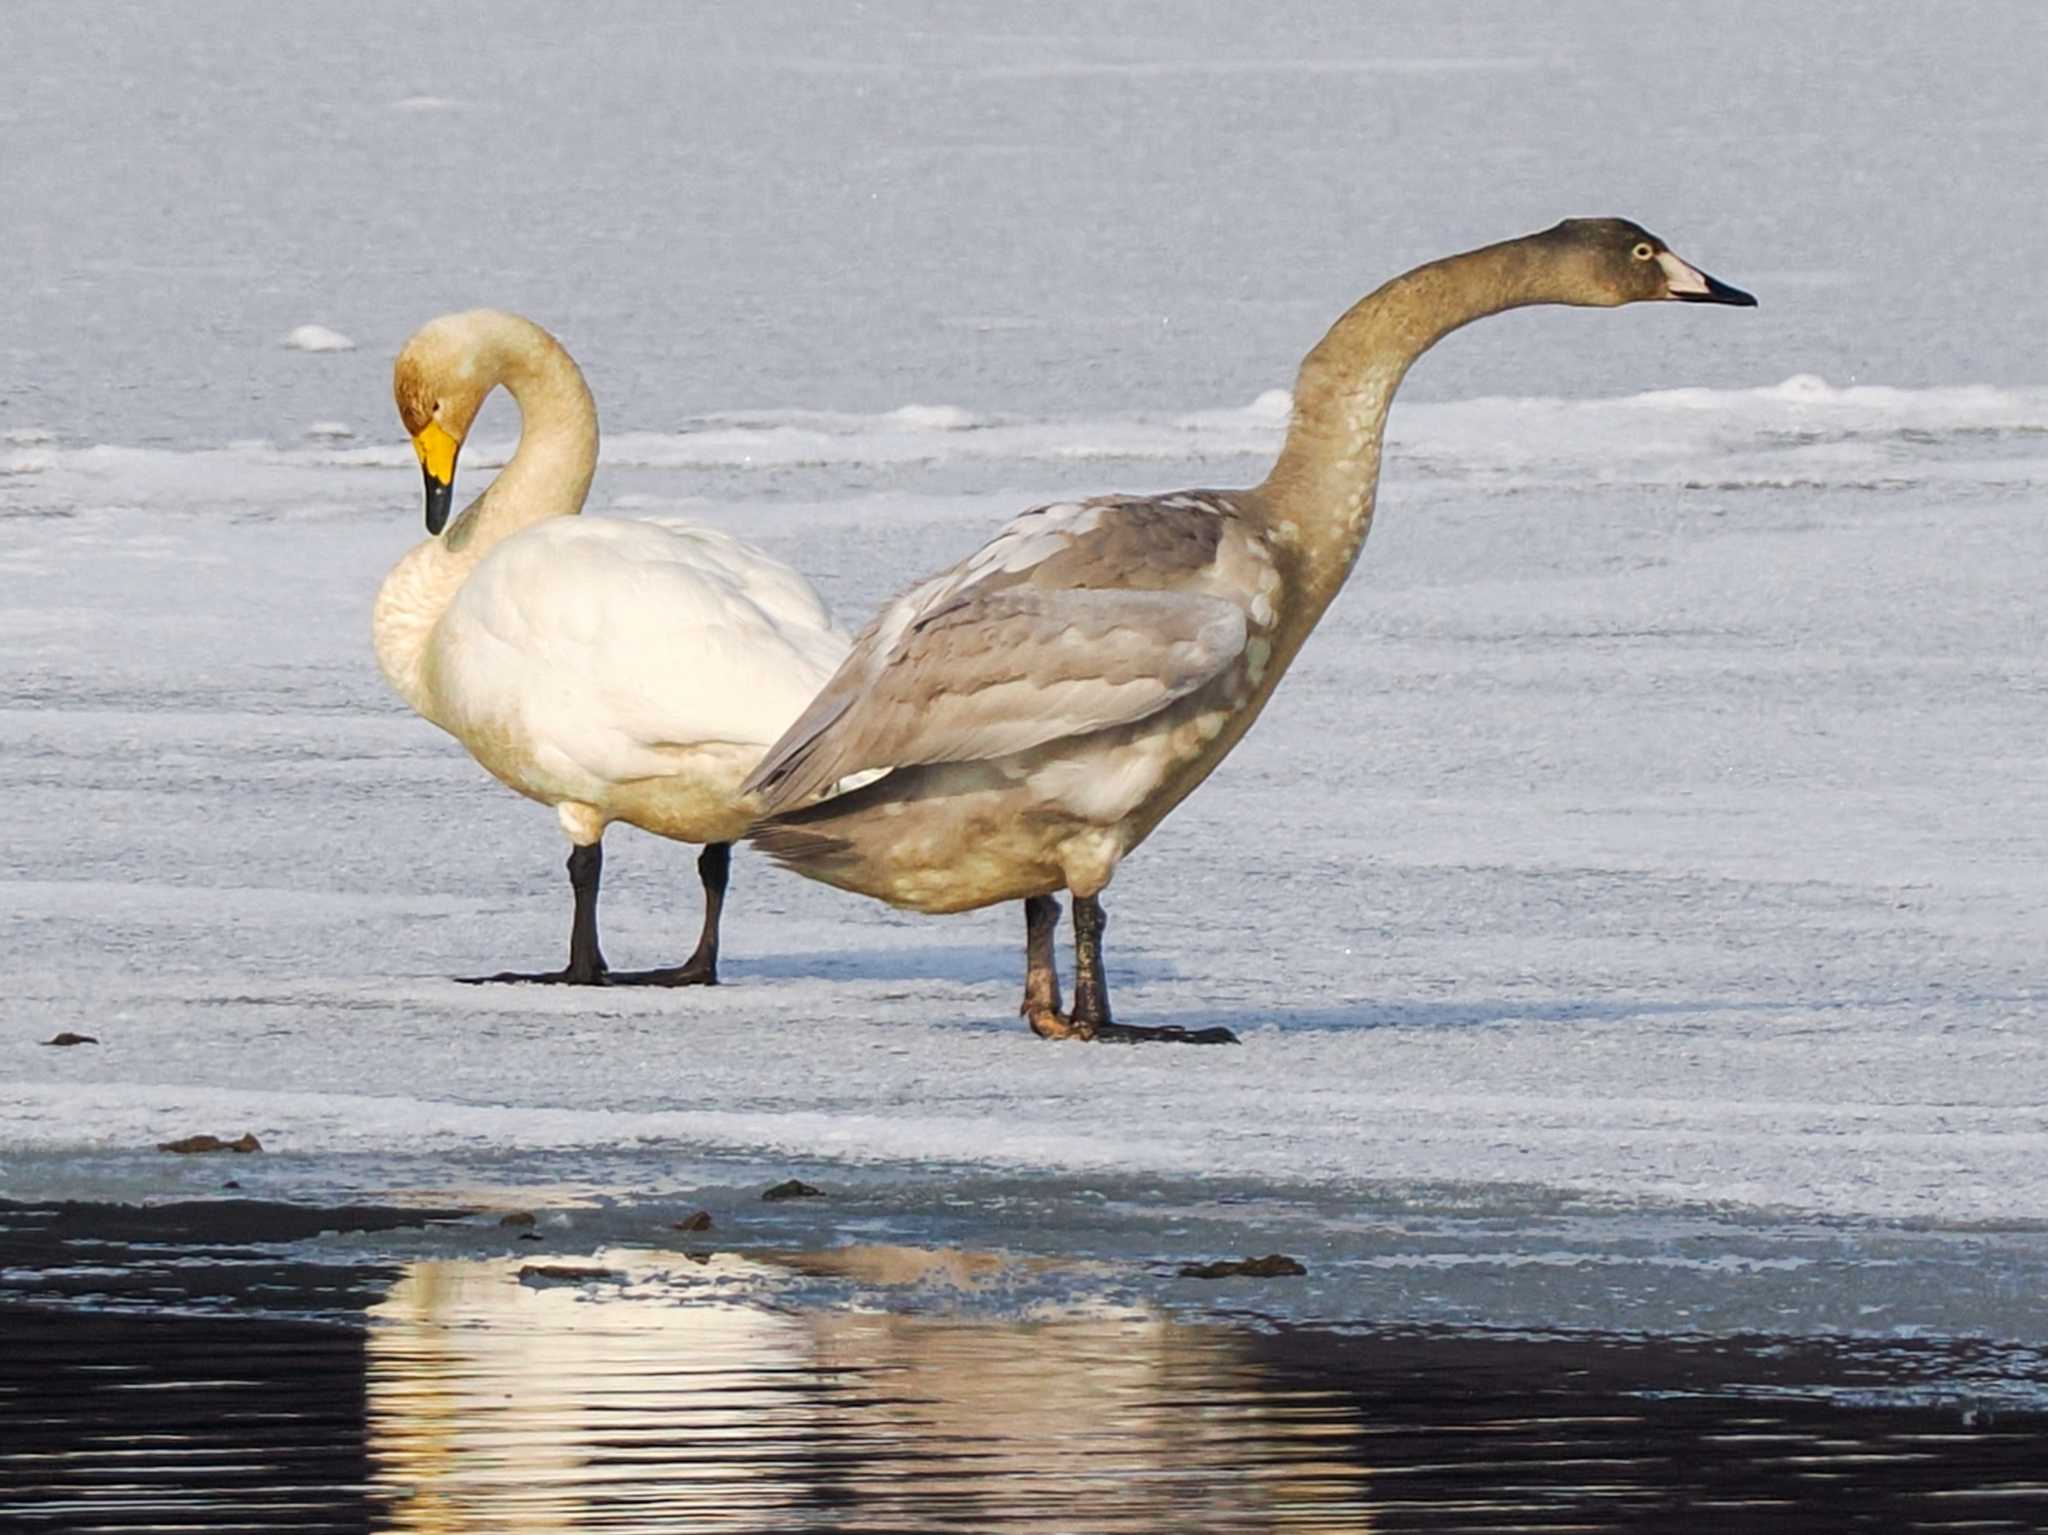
[
  {"x": 1648, "y": 851},
  {"x": 1640, "y": 831}
]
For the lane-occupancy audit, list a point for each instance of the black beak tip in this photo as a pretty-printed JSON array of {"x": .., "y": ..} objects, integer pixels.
[
  {"x": 440, "y": 497},
  {"x": 1719, "y": 292}
]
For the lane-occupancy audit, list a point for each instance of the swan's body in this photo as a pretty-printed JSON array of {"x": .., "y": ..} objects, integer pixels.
[
  {"x": 1044, "y": 704},
  {"x": 618, "y": 671},
  {"x": 1007, "y": 664}
]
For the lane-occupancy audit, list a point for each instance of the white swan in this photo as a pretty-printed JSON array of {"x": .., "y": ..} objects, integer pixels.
[
  {"x": 618, "y": 671},
  {"x": 1041, "y": 707}
]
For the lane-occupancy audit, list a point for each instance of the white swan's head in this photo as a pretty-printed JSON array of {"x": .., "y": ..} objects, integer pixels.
[
  {"x": 1603, "y": 262},
  {"x": 440, "y": 381}
]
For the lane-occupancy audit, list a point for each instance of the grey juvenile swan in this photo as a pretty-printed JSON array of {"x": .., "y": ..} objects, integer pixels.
[{"x": 1039, "y": 708}]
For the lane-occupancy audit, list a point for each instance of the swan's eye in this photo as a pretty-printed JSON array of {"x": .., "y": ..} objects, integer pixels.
[{"x": 1642, "y": 252}]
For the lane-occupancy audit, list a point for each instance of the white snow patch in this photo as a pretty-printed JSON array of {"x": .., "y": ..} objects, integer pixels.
[
  {"x": 1802, "y": 433},
  {"x": 934, "y": 418},
  {"x": 1211, "y": 69},
  {"x": 317, "y": 338},
  {"x": 425, "y": 104},
  {"x": 332, "y": 431}
]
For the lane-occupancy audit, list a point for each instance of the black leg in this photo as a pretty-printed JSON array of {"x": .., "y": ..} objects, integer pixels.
[
  {"x": 586, "y": 959},
  {"x": 1091, "y": 987},
  {"x": 714, "y": 867},
  {"x": 1041, "y": 1007},
  {"x": 1091, "y": 992},
  {"x": 586, "y": 965}
]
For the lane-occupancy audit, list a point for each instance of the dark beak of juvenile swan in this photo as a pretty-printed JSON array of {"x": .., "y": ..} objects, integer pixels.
[
  {"x": 1690, "y": 284},
  {"x": 437, "y": 450}
]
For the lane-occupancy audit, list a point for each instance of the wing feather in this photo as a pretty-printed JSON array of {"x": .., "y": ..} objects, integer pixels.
[{"x": 986, "y": 674}]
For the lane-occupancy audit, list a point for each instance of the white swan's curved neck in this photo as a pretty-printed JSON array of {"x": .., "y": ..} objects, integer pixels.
[
  {"x": 550, "y": 472},
  {"x": 548, "y": 476}
]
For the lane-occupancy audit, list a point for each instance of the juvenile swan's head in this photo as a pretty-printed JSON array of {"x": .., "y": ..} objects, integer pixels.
[
  {"x": 439, "y": 383},
  {"x": 1604, "y": 262}
]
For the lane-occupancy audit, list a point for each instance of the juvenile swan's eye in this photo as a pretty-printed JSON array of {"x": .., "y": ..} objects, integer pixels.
[{"x": 1642, "y": 252}]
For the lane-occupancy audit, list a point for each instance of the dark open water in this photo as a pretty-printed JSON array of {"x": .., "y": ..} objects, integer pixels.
[{"x": 159, "y": 1374}]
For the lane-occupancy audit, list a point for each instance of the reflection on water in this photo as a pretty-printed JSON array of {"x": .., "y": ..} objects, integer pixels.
[
  {"x": 137, "y": 1391},
  {"x": 494, "y": 1405},
  {"x": 668, "y": 1397}
]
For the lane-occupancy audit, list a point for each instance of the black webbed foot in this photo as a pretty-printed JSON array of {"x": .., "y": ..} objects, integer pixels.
[
  {"x": 1168, "y": 1034},
  {"x": 568, "y": 975},
  {"x": 1089, "y": 1019},
  {"x": 690, "y": 974}
]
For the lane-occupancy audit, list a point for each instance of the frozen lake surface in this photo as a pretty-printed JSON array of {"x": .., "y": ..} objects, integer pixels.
[
  {"x": 1632, "y": 903},
  {"x": 1646, "y": 847}
]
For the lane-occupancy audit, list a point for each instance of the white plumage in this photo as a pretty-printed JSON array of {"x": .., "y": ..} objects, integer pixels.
[
  {"x": 609, "y": 652},
  {"x": 618, "y": 671}
]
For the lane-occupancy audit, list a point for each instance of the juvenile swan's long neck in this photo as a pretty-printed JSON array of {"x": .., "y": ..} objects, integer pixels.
[
  {"x": 1318, "y": 500},
  {"x": 548, "y": 476}
]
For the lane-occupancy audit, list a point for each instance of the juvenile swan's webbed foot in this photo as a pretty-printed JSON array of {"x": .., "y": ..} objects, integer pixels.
[
  {"x": 568, "y": 975},
  {"x": 1091, "y": 993},
  {"x": 1168, "y": 1034},
  {"x": 1041, "y": 1007},
  {"x": 1051, "y": 1025},
  {"x": 1090, "y": 1018},
  {"x": 586, "y": 965}
]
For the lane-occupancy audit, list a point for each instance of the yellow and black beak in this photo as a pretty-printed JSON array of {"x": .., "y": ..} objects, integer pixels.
[{"x": 437, "y": 450}]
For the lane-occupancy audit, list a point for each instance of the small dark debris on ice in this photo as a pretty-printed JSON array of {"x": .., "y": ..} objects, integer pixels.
[
  {"x": 517, "y": 1218},
  {"x": 1272, "y": 1266},
  {"x": 69, "y": 1038},
  {"x": 194, "y": 1145},
  {"x": 795, "y": 1188},
  {"x": 568, "y": 1273},
  {"x": 701, "y": 1221}
]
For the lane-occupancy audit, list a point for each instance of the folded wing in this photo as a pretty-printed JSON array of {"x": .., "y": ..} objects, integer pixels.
[{"x": 986, "y": 674}]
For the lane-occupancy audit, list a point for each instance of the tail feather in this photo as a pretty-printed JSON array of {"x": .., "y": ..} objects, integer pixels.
[
  {"x": 798, "y": 848},
  {"x": 787, "y": 775}
]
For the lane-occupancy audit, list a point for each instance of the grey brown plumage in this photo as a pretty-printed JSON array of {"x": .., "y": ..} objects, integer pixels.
[{"x": 1037, "y": 709}]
